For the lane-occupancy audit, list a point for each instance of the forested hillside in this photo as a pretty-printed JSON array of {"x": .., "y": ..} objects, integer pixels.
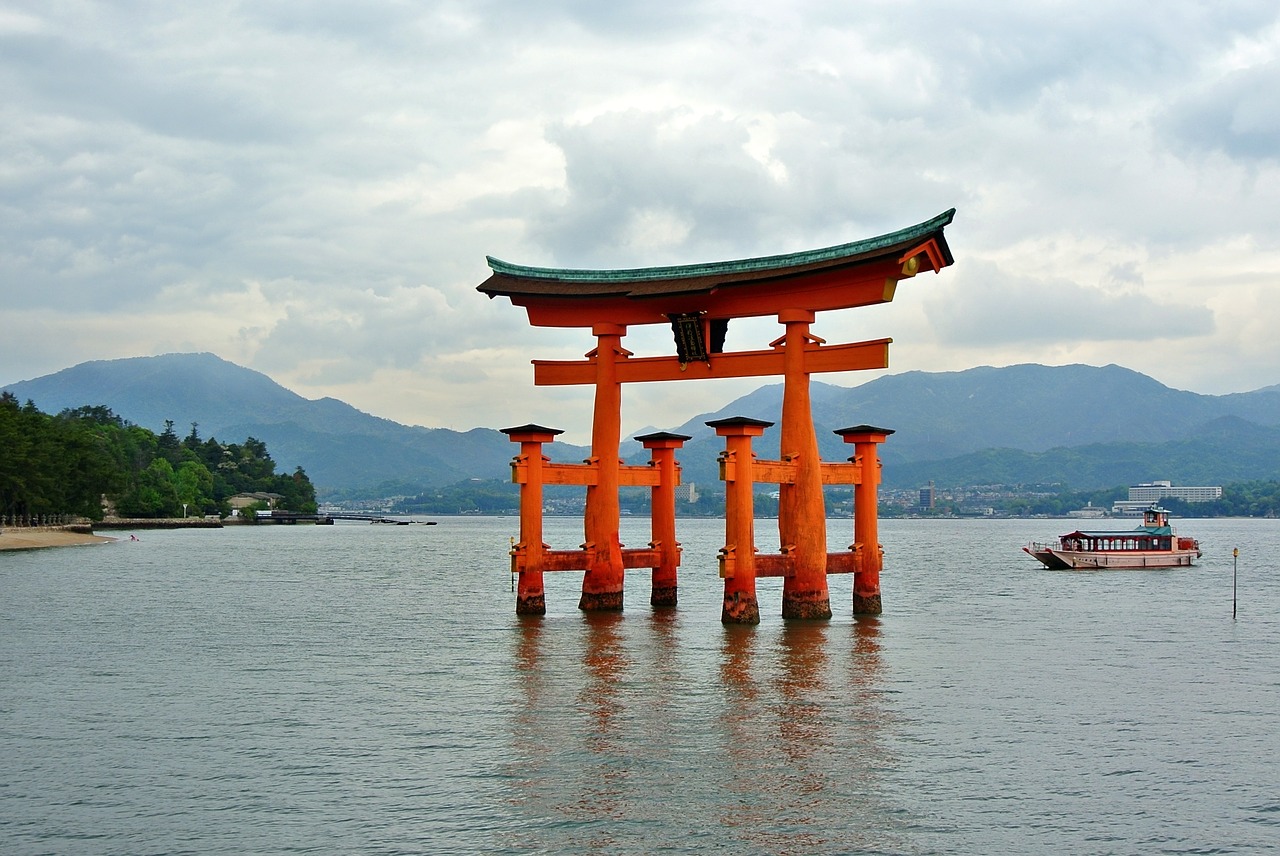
[{"x": 68, "y": 463}]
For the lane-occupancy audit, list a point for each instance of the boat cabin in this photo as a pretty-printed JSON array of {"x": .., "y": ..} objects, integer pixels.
[
  {"x": 1111, "y": 542},
  {"x": 1155, "y": 533}
]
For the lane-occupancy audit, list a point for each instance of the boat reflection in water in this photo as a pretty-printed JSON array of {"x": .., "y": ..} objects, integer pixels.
[{"x": 1154, "y": 544}]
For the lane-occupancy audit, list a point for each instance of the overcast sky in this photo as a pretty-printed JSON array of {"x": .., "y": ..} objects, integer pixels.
[{"x": 310, "y": 189}]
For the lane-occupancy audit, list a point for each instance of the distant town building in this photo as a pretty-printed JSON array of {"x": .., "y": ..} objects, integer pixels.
[
  {"x": 1143, "y": 496},
  {"x": 687, "y": 492},
  {"x": 927, "y": 497}
]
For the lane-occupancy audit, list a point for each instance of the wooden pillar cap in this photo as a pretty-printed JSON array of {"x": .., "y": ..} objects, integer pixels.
[
  {"x": 864, "y": 434},
  {"x": 531, "y": 433},
  {"x": 663, "y": 440},
  {"x": 740, "y": 426}
]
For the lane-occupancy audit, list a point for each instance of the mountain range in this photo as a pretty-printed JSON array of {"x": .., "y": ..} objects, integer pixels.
[
  {"x": 1085, "y": 426},
  {"x": 340, "y": 447}
]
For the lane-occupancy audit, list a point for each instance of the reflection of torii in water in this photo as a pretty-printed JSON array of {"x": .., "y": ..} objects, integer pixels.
[{"x": 698, "y": 301}]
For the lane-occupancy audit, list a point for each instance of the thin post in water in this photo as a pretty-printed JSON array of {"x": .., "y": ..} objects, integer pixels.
[{"x": 1235, "y": 556}]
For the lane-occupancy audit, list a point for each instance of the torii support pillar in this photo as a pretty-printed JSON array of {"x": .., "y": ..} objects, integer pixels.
[
  {"x": 866, "y": 532},
  {"x": 529, "y": 555},
  {"x": 738, "y": 556},
  {"x": 662, "y": 446}
]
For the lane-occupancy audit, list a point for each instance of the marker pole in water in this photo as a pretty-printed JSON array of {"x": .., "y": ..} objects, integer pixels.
[{"x": 1235, "y": 556}]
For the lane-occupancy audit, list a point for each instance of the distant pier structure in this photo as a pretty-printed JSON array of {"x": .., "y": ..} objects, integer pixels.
[{"x": 698, "y": 302}]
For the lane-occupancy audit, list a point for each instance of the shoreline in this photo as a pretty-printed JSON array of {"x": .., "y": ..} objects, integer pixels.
[
  {"x": 82, "y": 534},
  {"x": 39, "y": 537}
]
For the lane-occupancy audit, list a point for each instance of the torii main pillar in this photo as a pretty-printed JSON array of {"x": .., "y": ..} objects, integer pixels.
[
  {"x": 698, "y": 301},
  {"x": 800, "y": 503},
  {"x": 602, "y": 583}
]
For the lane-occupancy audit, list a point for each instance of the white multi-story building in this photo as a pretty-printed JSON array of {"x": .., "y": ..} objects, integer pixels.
[{"x": 1143, "y": 496}]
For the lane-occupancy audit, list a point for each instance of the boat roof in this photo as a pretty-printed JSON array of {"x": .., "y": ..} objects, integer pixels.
[{"x": 1116, "y": 533}]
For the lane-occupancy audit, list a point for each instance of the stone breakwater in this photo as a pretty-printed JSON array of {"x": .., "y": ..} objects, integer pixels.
[{"x": 158, "y": 523}]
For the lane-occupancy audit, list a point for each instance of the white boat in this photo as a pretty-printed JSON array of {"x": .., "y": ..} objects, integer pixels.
[{"x": 1154, "y": 544}]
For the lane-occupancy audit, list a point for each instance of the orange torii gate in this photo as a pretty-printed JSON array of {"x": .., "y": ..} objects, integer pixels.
[{"x": 698, "y": 301}]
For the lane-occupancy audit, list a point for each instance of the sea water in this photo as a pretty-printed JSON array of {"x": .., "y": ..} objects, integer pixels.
[{"x": 369, "y": 689}]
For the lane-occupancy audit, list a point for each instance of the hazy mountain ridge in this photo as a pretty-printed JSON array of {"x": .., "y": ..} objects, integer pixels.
[
  {"x": 1083, "y": 425},
  {"x": 1226, "y": 450},
  {"x": 998, "y": 425},
  {"x": 338, "y": 445}
]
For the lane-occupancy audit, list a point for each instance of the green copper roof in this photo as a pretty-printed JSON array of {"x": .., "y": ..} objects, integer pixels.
[{"x": 763, "y": 263}]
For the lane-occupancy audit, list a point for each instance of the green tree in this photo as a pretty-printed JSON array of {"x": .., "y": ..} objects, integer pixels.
[
  {"x": 169, "y": 445},
  {"x": 17, "y": 461},
  {"x": 193, "y": 484},
  {"x": 92, "y": 460},
  {"x": 154, "y": 493},
  {"x": 297, "y": 493}
]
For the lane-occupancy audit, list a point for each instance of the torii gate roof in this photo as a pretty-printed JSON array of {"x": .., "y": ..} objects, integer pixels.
[{"x": 859, "y": 273}]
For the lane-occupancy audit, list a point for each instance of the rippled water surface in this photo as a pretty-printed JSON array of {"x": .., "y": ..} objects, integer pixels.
[{"x": 368, "y": 689}]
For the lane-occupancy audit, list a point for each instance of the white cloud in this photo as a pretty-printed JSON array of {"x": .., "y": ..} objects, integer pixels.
[
  {"x": 311, "y": 189},
  {"x": 983, "y": 305}
]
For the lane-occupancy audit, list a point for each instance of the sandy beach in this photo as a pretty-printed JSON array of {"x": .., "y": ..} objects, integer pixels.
[{"x": 22, "y": 538}]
